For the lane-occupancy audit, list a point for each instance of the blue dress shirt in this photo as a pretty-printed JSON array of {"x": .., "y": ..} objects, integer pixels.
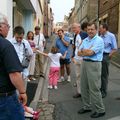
[
  {"x": 96, "y": 44},
  {"x": 109, "y": 42}
]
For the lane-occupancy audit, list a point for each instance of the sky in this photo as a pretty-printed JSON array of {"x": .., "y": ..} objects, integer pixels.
[{"x": 61, "y": 8}]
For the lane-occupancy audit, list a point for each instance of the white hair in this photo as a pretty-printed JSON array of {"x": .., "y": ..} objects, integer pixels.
[
  {"x": 76, "y": 24},
  {"x": 3, "y": 18}
]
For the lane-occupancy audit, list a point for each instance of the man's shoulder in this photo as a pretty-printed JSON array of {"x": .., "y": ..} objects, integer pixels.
[
  {"x": 110, "y": 34},
  {"x": 4, "y": 42}
]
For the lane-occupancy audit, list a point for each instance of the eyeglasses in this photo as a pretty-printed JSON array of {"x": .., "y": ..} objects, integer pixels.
[{"x": 6, "y": 24}]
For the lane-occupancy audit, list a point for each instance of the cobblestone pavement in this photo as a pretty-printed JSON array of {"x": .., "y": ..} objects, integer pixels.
[{"x": 47, "y": 111}]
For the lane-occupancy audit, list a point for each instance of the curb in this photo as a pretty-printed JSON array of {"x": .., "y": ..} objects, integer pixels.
[
  {"x": 116, "y": 64},
  {"x": 42, "y": 87}
]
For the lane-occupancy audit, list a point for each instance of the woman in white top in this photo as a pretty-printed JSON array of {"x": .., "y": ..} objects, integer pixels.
[{"x": 54, "y": 57}]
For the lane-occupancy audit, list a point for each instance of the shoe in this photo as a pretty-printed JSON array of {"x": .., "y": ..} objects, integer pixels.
[
  {"x": 33, "y": 78},
  {"x": 28, "y": 115},
  {"x": 42, "y": 76},
  {"x": 69, "y": 80},
  {"x": 61, "y": 79},
  {"x": 55, "y": 87},
  {"x": 82, "y": 111},
  {"x": 96, "y": 115},
  {"x": 104, "y": 95},
  {"x": 77, "y": 95},
  {"x": 50, "y": 87},
  {"x": 74, "y": 85},
  {"x": 118, "y": 98}
]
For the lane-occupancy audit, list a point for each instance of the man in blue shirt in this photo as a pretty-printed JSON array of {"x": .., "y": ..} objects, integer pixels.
[
  {"x": 92, "y": 51},
  {"x": 110, "y": 47},
  {"x": 62, "y": 43}
]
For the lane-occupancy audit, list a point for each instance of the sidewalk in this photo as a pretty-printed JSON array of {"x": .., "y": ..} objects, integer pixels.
[{"x": 38, "y": 91}]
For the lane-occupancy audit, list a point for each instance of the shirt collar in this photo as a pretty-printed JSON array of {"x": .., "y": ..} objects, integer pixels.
[
  {"x": 89, "y": 39},
  {"x": 15, "y": 42}
]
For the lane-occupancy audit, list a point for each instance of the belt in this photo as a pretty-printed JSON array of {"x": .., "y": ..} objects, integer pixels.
[
  {"x": 89, "y": 60},
  {"x": 106, "y": 53},
  {"x": 7, "y": 94}
]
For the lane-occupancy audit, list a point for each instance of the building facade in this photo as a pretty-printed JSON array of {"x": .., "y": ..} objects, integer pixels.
[{"x": 27, "y": 13}]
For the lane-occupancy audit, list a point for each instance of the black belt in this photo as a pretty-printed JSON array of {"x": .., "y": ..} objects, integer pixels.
[
  {"x": 7, "y": 94},
  {"x": 106, "y": 53},
  {"x": 89, "y": 60}
]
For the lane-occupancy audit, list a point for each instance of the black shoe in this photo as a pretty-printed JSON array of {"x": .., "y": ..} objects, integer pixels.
[
  {"x": 104, "y": 95},
  {"x": 82, "y": 111},
  {"x": 77, "y": 96},
  {"x": 42, "y": 76},
  {"x": 96, "y": 115}
]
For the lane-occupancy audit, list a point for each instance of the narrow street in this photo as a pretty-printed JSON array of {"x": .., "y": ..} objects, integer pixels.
[{"x": 67, "y": 107}]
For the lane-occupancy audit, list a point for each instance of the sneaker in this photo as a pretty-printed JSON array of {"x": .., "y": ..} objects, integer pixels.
[
  {"x": 50, "y": 86},
  {"x": 55, "y": 87},
  {"x": 33, "y": 78},
  {"x": 61, "y": 79},
  {"x": 69, "y": 80},
  {"x": 28, "y": 115}
]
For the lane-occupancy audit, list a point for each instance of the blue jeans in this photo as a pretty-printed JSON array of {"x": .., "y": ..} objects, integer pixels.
[{"x": 10, "y": 108}]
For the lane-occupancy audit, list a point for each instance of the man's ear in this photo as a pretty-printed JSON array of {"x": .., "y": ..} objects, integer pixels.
[{"x": 0, "y": 28}]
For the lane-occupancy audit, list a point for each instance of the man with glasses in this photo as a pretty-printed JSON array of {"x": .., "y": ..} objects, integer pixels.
[{"x": 11, "y": 106}]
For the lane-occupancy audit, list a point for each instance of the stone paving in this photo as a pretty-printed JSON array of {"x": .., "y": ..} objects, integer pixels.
[{"x": 47, "y": 111}]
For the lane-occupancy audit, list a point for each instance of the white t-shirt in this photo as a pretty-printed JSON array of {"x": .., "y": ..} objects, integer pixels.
[
  {"x": 78, "y": 42},
  {"x": 54, "y": 59},
  {"x": 39, "y": 44}
]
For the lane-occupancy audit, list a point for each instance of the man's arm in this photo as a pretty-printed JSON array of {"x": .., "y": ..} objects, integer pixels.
[
  {"x": 17, "y": 81},
  {"x": 65, "y": 42},
  {"x": 112, "y": 52},
  {"x": 86, "y": 52}
]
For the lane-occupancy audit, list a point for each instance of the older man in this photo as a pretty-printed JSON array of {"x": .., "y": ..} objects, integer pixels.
[
  {"x": 92, "y": 51},
  {"x": 10, "y": 78},
  {"x": 110, "y": 47}
]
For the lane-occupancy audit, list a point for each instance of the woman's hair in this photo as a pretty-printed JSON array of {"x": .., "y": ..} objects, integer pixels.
[
  {"x": 29, "y": 33},
  {"x": 54, "y": 50}
]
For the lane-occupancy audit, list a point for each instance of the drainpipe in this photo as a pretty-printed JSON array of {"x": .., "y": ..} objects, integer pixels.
[{"x": 119, "y": 27}]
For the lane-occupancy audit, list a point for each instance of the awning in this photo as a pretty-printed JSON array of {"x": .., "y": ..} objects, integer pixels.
[{"x": 25, "y": 5}]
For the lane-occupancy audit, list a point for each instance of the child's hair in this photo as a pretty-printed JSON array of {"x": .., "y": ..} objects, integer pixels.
[{"x": 54, "y": 50}]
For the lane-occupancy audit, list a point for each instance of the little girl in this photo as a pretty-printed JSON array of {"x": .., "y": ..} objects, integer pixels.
[{"x": 54, "y": 57}]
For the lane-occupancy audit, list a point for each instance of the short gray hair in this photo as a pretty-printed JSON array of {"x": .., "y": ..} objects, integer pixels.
[
  {"x": 3, "y": 18},
  {"x": 76, "y": 24}
]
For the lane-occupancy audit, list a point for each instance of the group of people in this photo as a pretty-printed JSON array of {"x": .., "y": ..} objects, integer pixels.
[
  {"x": 19, "y": 61},
  {"x": 92, "y": 51}
]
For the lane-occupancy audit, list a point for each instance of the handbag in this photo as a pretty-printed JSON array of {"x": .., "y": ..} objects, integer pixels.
[{"x": 26, "y": 57}]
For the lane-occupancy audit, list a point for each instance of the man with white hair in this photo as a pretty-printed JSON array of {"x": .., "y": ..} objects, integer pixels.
[{"x": 10, "y": 78}]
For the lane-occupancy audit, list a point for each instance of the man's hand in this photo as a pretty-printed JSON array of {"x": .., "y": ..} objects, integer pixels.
[{"x": 23, "y": 98}]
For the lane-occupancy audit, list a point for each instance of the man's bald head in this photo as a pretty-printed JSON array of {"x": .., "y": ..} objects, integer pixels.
[{"x": 76, "y": 28}]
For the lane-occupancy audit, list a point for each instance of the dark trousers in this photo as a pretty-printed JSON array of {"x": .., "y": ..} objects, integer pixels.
[{"x": 105, "y": 73}]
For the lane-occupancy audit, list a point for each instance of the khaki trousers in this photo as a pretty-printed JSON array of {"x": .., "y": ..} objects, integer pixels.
[
  {"x": 77, "y": 71},
  {"x": 39, "y": 64},
  {"x": 90, "y": 86}
]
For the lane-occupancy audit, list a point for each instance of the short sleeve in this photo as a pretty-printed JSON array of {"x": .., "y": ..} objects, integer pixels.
[{"x": 11, "y": 60}]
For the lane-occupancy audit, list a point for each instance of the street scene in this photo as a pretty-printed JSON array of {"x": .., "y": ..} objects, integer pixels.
[{"x": 60, "y": 60}]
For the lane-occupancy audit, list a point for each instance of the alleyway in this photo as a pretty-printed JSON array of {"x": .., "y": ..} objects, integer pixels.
[{"x": 67, "y": 107}]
